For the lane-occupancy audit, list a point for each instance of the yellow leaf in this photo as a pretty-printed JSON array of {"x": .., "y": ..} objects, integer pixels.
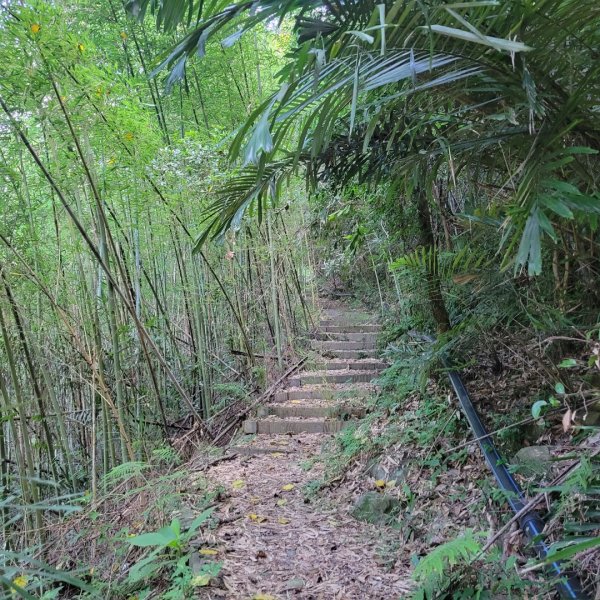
[
  {"x": 281, "y": 502},
  {"x": 288, "y": 487},
  {"x": 277, "y": 454},
  {"x": 35, "y": 28},
  {"x": 380, "y": 483},
  {"x": 20, "y": 581},
  {"x": 128, "y": 136},
  {"x": 263, "y": 597},
  {"x": 257, "y": 518},
  {"x": 200, "y": 581},
  {"x": 238, "y": 484},
  {"x": 123, "y": 35},
  {"x": 283, "y": 521},
  {"x": 80, "y": 47},
  {"x": 208, "y": 552}
]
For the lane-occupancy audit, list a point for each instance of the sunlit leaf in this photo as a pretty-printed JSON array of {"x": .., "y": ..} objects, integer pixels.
[{"x": 201, "y": 580}]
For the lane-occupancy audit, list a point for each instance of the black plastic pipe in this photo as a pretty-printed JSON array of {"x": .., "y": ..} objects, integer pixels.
[{"x": 531, "y": 523}]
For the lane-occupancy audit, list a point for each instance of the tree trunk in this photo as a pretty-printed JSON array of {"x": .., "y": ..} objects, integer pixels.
[{"x": 434, "y": 288}]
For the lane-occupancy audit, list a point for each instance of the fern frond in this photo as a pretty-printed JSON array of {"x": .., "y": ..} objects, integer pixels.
[
  {"x": 460, "y": 266},
  {"x": 124, "y": 471},
  {"x": 433, "y": 571}
]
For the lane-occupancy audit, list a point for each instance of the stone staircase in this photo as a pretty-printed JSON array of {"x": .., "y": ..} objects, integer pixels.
[{"x": 329, "y": 392}]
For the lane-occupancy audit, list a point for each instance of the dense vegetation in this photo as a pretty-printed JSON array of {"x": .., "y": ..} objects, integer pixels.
[
  {"x": 176, "y": 175},
  {"x": 112, "y": 330}
]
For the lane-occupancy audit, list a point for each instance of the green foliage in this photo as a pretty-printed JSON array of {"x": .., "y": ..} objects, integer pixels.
[
  {"x": 23, "y": 575},
  {"x": 231, "y": 391},
  {"x": 445, "y": 88},
  {"x": 434, "y": 571},
  {"x": 169, "y": 544},
  {"x": 453, "y": 163},
  {"x": 576, "y": 509},
  {"x": 126, "y": 470},
  {"x": 568, "y": 548},
  {"x": 166, "y": 455}
]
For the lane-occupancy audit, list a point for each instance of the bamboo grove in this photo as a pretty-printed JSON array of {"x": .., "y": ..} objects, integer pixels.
[{"x": 112, "y": 328}]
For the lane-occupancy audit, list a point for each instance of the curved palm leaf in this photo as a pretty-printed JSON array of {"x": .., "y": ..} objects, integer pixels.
[{"x": 377, "y": 89}]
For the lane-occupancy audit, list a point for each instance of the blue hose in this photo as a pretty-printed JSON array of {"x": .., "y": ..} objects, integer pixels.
[{"x": 530, "y": 522}]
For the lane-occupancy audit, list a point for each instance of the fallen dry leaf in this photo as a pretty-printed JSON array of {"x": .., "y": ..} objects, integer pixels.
[
  {"x": 238, "y": 484},
  {"x": 566, "y": 420},
  {"x": 257, "y": 518},
  {"x": 288, "y": 487},
  {"x": 208, "y": 552}
]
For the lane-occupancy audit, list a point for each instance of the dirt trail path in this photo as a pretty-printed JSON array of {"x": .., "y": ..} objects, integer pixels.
[{"x": 274, "y": 544}]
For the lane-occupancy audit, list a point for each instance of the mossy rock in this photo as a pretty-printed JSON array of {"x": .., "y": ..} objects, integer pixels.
[
  {"x": 376, "y": 508},
  {"x": 533, "y": 461},
  {"x": 377, "y": 471}
]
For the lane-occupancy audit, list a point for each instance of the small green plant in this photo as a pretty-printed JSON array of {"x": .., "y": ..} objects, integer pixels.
[
  {"x": 167, "y": 548},
  {"x": 433, "y": 572},
  {"x": 125, "y": 471},
  {"x": 22, "y": 575},
  {"x": 166, "y": 455}
]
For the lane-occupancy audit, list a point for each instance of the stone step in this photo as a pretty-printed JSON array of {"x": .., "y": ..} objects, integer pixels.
[
  {"x": 323, "y": 394},
  {"x": 329, "y": 345},
  {"x": 345, "y": 323},
  {"x": 345, "y": 337},
  {"x": 371, "y": 365},
  {"x": 349, "y": 377},
  {"x": 351, "y": 313},
  {"x": 283, "y": 426},
  {"x": 307, "y": 411},
  {"x": 348, "y": 318},
  {"x": 326, "y": 326},
  {"x": 350, "y": 354},
  {"x": 251, "y": 450}
]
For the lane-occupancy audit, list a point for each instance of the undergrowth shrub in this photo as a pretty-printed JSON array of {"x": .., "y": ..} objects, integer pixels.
[{"x": 455, "y": 571}]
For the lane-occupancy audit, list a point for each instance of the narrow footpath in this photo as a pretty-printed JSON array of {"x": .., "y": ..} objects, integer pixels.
[{"x": 275, "y": 540}]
